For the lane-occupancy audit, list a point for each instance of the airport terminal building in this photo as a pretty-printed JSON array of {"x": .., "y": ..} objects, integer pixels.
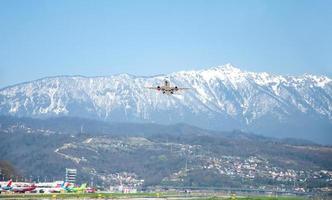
[{"x": 71, "y": 175}]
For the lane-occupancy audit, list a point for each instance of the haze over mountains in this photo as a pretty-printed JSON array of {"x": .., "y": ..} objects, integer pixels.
[{"x": 221, "y": 98}]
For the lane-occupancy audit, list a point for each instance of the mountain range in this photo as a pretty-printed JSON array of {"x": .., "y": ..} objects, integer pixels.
[{"x": 220, "y": 98}]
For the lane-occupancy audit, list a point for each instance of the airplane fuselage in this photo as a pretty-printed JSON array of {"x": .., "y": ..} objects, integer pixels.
[
  {"x": 23, "y": 189},
  {"x": 167, "y": 88}
]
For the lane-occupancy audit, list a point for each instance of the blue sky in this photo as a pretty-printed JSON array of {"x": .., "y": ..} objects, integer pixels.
[{"x": 92, "y": 38}]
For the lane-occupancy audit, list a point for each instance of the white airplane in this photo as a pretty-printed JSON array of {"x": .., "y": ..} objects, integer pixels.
[
  {"x": 7, "y": 187},
  {"x": 24, "y": 188},
  {"x": 167, "y": 88}
]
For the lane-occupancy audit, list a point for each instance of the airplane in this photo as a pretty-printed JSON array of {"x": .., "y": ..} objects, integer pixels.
[
  {"x": 65, "y": 186},
  {"x": 75, "y": 189},
  {"x": 24, "y": 189},
  {"x": 80, "y": 189},
  {"x": 7, "y": 187},
  {"x": 58, "y": 188},
  {"x": 167, "y": 88}
]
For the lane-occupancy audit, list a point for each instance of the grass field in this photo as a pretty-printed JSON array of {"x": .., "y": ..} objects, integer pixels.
[{"x": 140, "y": 196}]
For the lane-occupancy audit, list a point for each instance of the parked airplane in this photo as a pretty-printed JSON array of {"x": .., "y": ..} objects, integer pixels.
[
  {"x": 167, "y": 88},
  {"x": 80, "y": 189},
  {"x": 52, "y": 187},
  {"x": 7, "y": 187},
  {"x": 58, "y": 188},
  {"x": 49, "y": 187},
  {"x": 24, "y": 189},
  {"x": 65, "y": 185},
  {"x": 74, "y": 189}
]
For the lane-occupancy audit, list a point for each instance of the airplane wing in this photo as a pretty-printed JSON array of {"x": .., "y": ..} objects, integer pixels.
[
  {"x": 158, "y": 88},
  {"x": 181, "y": 89},
  {"x": 184, "y": 88},
  {"x": 152, "y": 88}
]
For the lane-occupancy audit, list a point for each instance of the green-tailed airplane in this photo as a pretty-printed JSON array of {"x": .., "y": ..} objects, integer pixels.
[{"x": 76, "y": 189}]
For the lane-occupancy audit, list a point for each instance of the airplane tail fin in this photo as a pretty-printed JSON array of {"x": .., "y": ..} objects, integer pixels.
[
  {"x": 83, "y": 186},
  {"x": 9, "y": 183},
  {"x": 65, "y": 185}
]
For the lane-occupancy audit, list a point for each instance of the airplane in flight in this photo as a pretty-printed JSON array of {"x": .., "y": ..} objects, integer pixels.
[
  {"x": 167, "y": 88},
  {"x": 7, "y": 187}
]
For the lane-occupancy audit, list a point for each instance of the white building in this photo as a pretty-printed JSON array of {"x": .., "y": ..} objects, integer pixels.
[{"x": 71, "y": 175}]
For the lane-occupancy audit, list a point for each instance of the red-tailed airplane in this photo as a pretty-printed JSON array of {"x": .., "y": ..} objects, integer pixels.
[
  {"x": 24, "y": 189},
  {"x": 167, "y": 88},
  {"x": 7, "y": 187}
]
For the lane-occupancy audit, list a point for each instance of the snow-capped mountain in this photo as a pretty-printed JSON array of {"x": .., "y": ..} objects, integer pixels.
[{"x": 221, "y": 98}]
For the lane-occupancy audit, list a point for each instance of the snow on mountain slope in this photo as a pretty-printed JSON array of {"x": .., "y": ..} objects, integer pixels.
[{"x": 221, "y": 98}]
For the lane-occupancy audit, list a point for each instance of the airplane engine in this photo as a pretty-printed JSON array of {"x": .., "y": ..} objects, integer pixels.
[
  {"x": 158, "y": 87},
  {"x": 176, "y": 88}
]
